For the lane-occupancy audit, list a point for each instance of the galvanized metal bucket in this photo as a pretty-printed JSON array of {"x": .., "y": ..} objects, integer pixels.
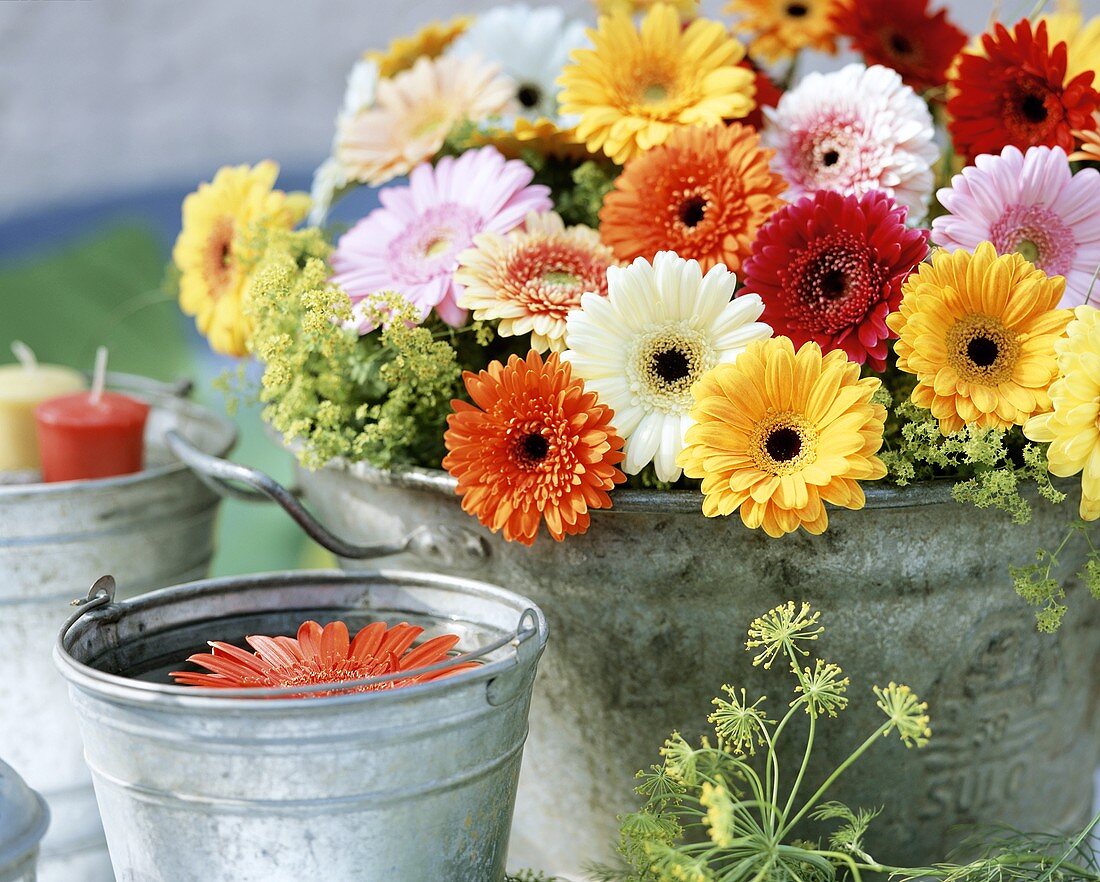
[
  {"x": 649, "y": 609},
  {"x": 24, "y": 818},
  {"x": 205, "y": 785},
  {"x": 159, "y": 526}
]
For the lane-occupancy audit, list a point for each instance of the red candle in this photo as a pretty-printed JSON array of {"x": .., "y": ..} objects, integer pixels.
[{"x": 90, "y": 435}]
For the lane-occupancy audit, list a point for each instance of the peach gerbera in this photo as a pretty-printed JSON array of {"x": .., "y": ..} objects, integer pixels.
[
  {"x": 533, "y": 446},
  {"x": 703, "y": 194},
  {"x": 324, "y": 655},
  {"x": 415, "y": 111},
  {"x": 530, "y": 279}
]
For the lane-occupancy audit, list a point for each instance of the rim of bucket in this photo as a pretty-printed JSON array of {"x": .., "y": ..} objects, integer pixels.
[
  {"x": 198, "y": 698},
  {"x": 30, "y": 836},
  {"x": 161, "y": 399}
]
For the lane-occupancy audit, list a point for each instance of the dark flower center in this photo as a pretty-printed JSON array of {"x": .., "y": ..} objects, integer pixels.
[
  {"x": 831, "y": 157},
  {"x": 535, "y": 447},
  {"x": 693, "y": 210},
  {"x": 797, "y": 10},
  {"x": 671, "y": 365},
  {"x": 900, "y": 44},
  {"x": 529, "y": 95},
  {"x": 982, "y": 351},
  {"x": 833, "y": 284},
  {"x": 1034, "y": 109},
  {"x": 783, "y": 444}
]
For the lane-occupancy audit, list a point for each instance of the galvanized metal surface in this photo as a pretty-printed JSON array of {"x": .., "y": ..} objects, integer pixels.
[
  {"x": 649, "y": 609},
  {"x": 24, "y": 818},
  {"x": 416, "y": 783},
  {"x": 154, "y": 528}
]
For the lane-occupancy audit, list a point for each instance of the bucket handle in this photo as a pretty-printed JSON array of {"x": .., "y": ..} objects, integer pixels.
[
  {"x": 222, "y": 476},
  {"x": 180, "y": 388}
]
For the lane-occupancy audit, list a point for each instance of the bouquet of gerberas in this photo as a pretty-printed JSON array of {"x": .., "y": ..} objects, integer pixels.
[{"x": 627, "y": 253}]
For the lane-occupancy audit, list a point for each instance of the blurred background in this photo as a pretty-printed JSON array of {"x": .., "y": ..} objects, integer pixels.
[{"x": 112, "y": 110}]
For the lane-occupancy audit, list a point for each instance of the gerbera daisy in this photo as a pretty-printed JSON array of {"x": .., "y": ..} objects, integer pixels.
[
  {"x": 532, "y": 278},
  {"x": 1016, "y": 91},
  {"x": 643, "y": 346},
  {"x": 978, "y": 331},
  {"x": 415, "y": 111},
  {"x": 780, "y": 433},
  {"x": 782, "y": 28},
  {"x": 324, "y": 655},
  {"x": 429, "y": 42},
  {"x": 1031, "y": 203},
  {"x": 829, "y": 269},
  {"x": 1082, "y": 39},
  {"x": 1073, "y": 425},
  {"x": 411, "y": 244},
  {"x": 855, "y": 130},
  {"x": 765, "y": 92},
  {"x": 637, "y": 85},
  {"x": 533, "y": 446},
  {"x": 1088, "y": 143},
  {"x": 703, "y": 194},
  {"x": 905, "y": 35},
  {"x": 531, "y": 46},
  {"x": 688, "y": 9},
  {"x": 214, "y": 252}
]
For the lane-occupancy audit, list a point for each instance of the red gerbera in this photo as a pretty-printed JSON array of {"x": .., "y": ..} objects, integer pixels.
[
  {"x": 905, "y": 35},
  {"x": 829, "y": 268},
  {"x": 1016, "y": 93},
  {"x": 767, "y": 94}
]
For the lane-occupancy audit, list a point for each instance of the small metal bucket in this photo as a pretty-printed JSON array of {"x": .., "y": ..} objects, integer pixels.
[
  {"x": 159, "y": 525},
  {"x": 415, "y": 784},
  {"x": 24, "y": 818}
]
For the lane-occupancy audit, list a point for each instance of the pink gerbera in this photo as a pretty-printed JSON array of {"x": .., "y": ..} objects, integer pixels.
[
  {"x": 829, "y": 269},
  {"x": 1030, "y": 203},
  {"x": 411, "y": 244}
]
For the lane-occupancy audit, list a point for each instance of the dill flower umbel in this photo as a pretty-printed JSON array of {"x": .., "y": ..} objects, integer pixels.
[
  {"x": 829, "y": 268},
  {"x": 855, "y": 130},
  {"x": 415, "y": 111},
  {"x": 1030, "y": 203},
  {"x": 778, "y": 633},
  {"x": 644, "y": 345},
  {"x": 908, "y": 714},
  {"x": 411, "y": 244},
  {"x": 531, "y": 279},
  {"x": 782, "y": 28},
  {"x": 1016, "y": 90},
  {"x": 639, "y": 84},
  {"x": 703, "y": 194},
  {"x": 534, "y": 445},
  {"x": 1072, "y": 427},
  {"x": 779, "y": 433},
  {"x": 324, "y": 655},
  {"x": 978, "y": 331},
  {"x": 215, "y": 249},
  {"x": 905, "y": 35},
  {"x": 429, "y": 42}
]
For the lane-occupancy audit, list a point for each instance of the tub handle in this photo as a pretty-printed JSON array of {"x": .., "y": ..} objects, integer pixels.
[
  {"x": 180, "y": 388},
  {"x": 102, "y": 593},
  {"x": 444, "y": 543}
]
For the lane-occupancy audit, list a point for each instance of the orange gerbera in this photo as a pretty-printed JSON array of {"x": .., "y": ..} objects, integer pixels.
[
  {"x": 534, "y": 445},
  {"x": 324, "y": 655},
  {"x": 703, "y": 194}
]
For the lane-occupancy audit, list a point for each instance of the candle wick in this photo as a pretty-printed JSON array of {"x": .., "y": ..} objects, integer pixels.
[
  {"x": 99, "y": 376},
  {"x": 24, "y": 354}
]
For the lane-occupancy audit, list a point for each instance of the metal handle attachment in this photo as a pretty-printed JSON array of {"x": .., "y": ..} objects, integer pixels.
[{"x": 444, "y": 543}]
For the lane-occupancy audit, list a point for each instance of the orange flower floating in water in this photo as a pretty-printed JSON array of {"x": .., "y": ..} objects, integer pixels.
[
  {"x": 324, "y": 655},
  {"x": 534, "y": 445}
]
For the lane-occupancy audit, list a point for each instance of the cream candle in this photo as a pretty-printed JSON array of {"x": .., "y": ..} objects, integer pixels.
[{"x": 23, "y": 387}]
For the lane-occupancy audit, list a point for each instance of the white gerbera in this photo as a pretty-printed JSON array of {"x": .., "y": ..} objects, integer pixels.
[
  {"x": 643, "y": 346},
  {"x": 855, "y": 130},
  {"x": 531, "y": 46},
  {"x": 331, "y": 175}
]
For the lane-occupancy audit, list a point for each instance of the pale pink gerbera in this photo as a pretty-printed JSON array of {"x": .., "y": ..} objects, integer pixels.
[
  {"x": 411, "y": 244},
  {"x": 1030, "y": 203},
  {"x": 854, "y": 130},
  {"x": 415, "y": 111}
]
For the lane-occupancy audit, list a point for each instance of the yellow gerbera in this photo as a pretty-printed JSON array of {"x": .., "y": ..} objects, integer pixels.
[
  {"x": 1082, "y": 40},
  {"x": 637, "y": 85},
  {"x": 543, "y": 136},
  {"x": 214, "y": 252},
  {"x": 429, "y": 42},
  {"x": 783, "y": 27},
  {"x": 687, "y": 8},
  {"x": 779, "y": 433},
  {"x": 979, "y": 331},
  {"x": 1073, "y": 427}
]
